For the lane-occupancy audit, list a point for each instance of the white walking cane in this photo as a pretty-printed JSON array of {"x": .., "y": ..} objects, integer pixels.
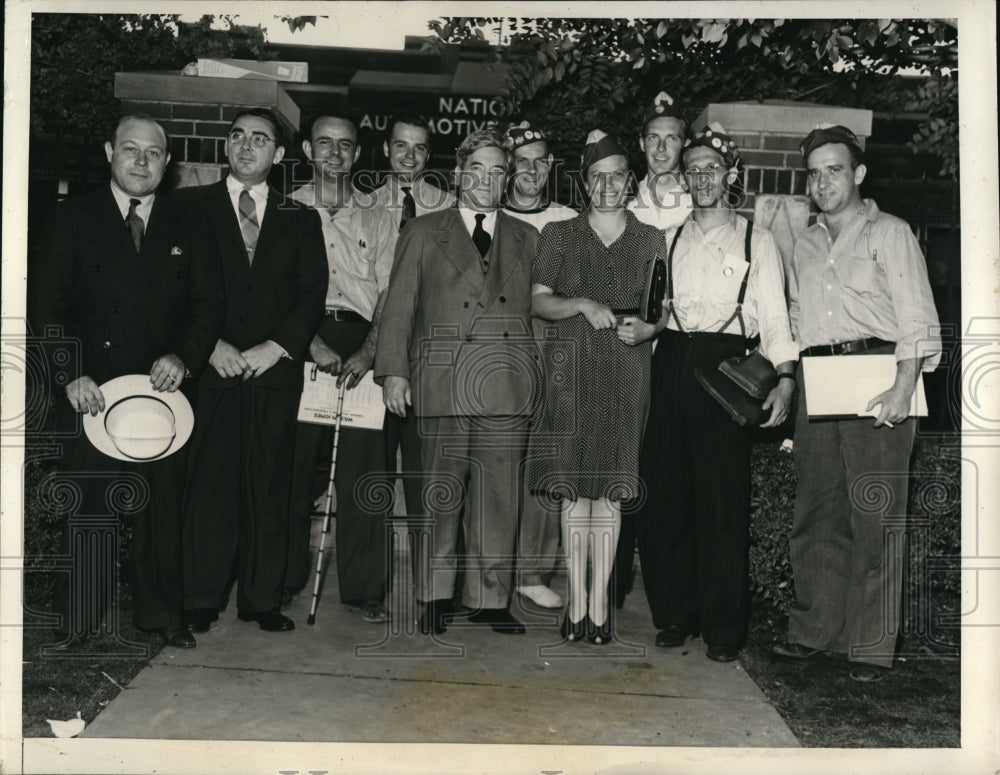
[{"x": 329, "y": 503}]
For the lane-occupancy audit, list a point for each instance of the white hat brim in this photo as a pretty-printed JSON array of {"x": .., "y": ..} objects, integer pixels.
[{"x": 130, "y": 386}]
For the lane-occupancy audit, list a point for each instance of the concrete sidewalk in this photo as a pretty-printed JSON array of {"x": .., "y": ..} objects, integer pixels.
[{"x": 342, "y": 680}]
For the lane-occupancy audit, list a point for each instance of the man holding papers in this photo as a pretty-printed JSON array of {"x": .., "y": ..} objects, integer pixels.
[
  {"x": 358, "y": 240},
  {"x": 858, "y": 285}
]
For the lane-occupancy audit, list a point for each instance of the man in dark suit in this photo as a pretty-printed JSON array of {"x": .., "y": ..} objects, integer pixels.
[
  {"x": 136, "y": 281},
  {"x": 236, "y": 507},
  {"x": 456, "y": 343}
]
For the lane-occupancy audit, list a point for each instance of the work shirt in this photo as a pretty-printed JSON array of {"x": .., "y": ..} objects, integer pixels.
[
  {"x": 427, "y": 198},
  {"x": 123, "y": 200},
  {"x": 870, "y": 282},
  {"x": 708, "y": 269},
  {"x": 359, "y": 242},
  {"x": 664, "y": 211},
  {"x": 538, "y": 218}
]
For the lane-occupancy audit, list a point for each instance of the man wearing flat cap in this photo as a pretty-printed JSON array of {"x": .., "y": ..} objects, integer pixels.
[
  {"x": 662, "y": 199},
  {"x": 726, "y": 291},
  {"x": 858, "y": 285},
  {"x": 135, "y": 279}
]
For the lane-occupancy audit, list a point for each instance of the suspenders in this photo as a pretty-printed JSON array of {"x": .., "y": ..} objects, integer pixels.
[{"x": 738, "y": 312}]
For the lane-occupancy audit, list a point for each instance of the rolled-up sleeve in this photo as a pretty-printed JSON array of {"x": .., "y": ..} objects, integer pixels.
[{"x": 918, "y": 330}]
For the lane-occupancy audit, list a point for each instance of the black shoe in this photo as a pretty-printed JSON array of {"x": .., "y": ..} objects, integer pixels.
[
  {"x": 573, "y": 630},
  {"x": 793, "y": 650},
  {"x": 673, "y": 636},
  {"x": 177, "y": 636},
  {"x": 499, "y": 619},
  {"x": 66, "y": 642},
  {"x": 432, "y": 619},
  {"x": 599, "y": 634},
  {"x": 200, "y": 619},
  {"x": 722, "y": 653},
  {"x": 270, "y": 621}
]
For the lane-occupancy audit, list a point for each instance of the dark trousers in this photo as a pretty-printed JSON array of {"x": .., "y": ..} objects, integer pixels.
[
  {"x": 236, "y": 505},
  {"x": 846, "y": 546},
  {"x": 103, "y": 491},
  {"x": 363, "y": 495},
  {"x": 694, "y": 529}
]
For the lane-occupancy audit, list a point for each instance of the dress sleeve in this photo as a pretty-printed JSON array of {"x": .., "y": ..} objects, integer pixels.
[{"x": 548, "y": 257}]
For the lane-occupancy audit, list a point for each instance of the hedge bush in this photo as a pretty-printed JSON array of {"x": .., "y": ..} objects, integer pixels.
[{"x": 934, "y": 511}]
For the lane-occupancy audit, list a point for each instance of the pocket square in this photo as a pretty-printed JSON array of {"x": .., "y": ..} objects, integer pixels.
[{"x": 175, "y": 251}]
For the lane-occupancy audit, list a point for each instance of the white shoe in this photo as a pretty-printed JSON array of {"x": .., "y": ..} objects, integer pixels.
[{"x": 541, "y": 595}]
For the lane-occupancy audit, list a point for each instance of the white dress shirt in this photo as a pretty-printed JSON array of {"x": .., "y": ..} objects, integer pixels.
[
  {"x": 258, "y": 193},
  {"x": 122, "y": 198}
]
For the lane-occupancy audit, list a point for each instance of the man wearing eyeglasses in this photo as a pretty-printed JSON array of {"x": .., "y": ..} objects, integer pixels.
[
  {"x": 694, "y": 527},
  {"x": 237, "y": 500},
  {"x": 359, "y": 241},
  {"x": 133, "y": 280},
  {"x": 528, "y": 200}
]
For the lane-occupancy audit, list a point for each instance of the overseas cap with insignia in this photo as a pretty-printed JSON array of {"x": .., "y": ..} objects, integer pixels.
[
  {"x": 519, "y": 135},
  {"x": 830, "y": 133},
  {"x": 714, "y": 137},
  {"x": 599, "y": 146},
  {"x": 663, "y": 106}
]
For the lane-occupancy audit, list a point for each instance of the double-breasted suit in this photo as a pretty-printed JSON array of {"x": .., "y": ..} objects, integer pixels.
[
  {"x": 236, "y": 506},
  {"x": 122, "y": 311},
  {"x": 459, "y": 329}
]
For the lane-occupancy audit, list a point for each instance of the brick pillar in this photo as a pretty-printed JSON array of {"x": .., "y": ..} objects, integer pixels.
[
  {"x": 197, "y": 111},
  {"x": 768, "y": 135}
]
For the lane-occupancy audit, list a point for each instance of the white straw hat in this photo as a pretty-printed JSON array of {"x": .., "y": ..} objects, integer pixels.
[{"x": 139, "y": 423}]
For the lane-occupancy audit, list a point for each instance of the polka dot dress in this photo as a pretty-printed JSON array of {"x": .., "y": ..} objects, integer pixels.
[{"x": 588, "y": 428}]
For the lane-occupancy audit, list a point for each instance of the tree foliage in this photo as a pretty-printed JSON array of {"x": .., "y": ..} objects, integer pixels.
[
  {"x": 581, "y": 73},
  {"x": 74, "y": 58}
]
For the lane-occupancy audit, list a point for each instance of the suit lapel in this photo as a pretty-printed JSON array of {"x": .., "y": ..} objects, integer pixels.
[
  {"x": 226, "y": 221},
  {"x": 270, "y": 227},
  {"x": 122, "y": 251},
  {"x": 458, "y": 248}
]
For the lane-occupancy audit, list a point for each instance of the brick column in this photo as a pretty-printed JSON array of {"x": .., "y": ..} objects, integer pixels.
[
  {"x": 768, "y": 135},
  {"x": 197, "y": 111}
]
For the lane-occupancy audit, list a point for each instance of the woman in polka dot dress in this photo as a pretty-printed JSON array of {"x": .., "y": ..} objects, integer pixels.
[{"x": 587, "y": 279}]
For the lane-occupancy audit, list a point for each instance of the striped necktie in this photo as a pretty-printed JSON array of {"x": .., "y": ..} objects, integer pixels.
[
  {"x": 135, "y": 225},
  {"x": 248, "y": 221}
]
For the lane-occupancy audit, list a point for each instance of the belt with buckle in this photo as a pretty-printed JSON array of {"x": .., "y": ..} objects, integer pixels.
[
  {"x": 341, "y": 315},
  {"x": 847, "y": 348}
]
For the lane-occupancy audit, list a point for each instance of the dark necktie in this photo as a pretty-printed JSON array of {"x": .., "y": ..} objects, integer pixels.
[
  {"x": 481, "y": 239},
  {"x": 135, "y": 225},
  {"x": 248, "y": 221},
  {"x": 409, "y": 207}
]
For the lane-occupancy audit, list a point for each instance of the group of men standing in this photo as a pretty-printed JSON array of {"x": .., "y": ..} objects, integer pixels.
[{"x": 227, "y": 289}]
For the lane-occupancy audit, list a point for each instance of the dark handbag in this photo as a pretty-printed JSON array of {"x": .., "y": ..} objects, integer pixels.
[
  {"x": 752, "y": 373},
  {"x": 743, "y": 409},
  {"x": 651, "y": 304}
]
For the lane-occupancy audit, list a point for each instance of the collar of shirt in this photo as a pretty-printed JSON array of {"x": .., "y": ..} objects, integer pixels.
[
  {"x": 868, "y": 212},
  {"x": 469, "y": 219},
  {"x": 714, "y": 234},
  {"x": 258, "y": 193},
  {"x": 307, "y": 195},
  {"x": 122, "y": 200}
]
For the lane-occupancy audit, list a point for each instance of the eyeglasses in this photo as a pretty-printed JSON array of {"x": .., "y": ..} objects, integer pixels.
[
  {"x": 257, "y": 139},
  {"x": 708, "y": 169}
]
